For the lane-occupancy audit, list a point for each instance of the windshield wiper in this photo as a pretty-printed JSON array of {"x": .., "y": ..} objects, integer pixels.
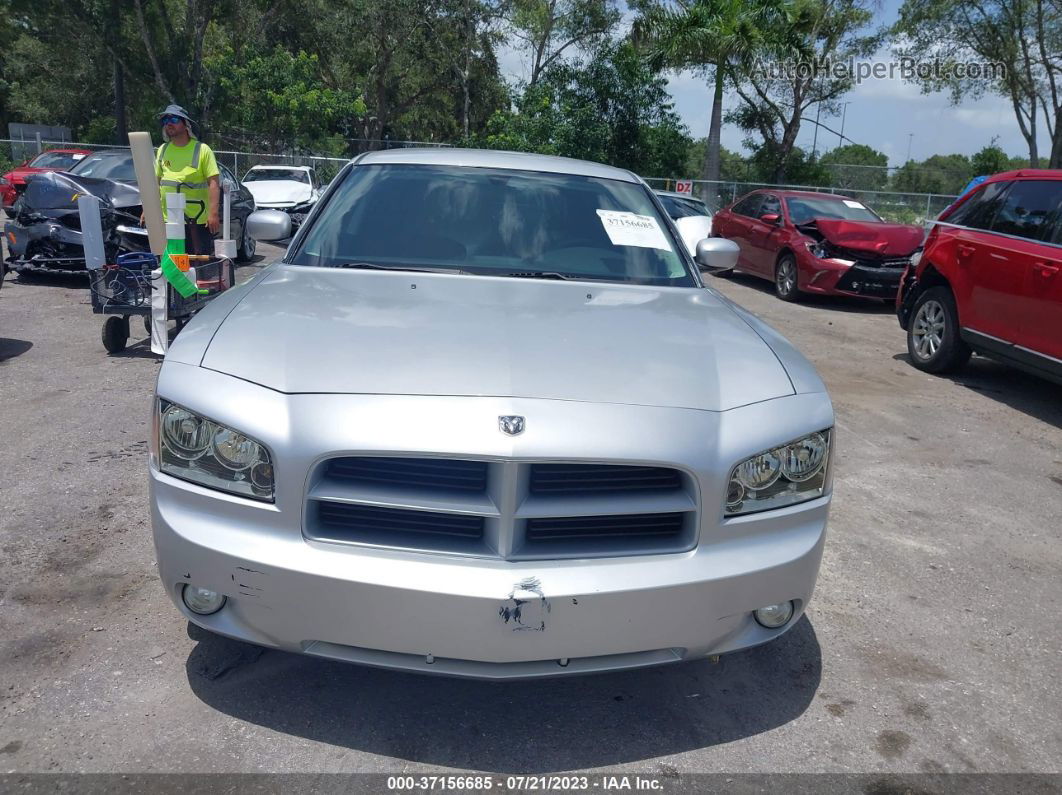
[
  {"x": 537, "y": 275},
  {"x": 378, "y": 266}
]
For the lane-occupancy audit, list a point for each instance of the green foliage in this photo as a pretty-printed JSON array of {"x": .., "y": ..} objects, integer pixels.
[
  {"x": 611, "y": 109},
  {"x": 856, "y": 167},
  {"x": 946, "y": 174},
  {"x": 990, "y": 160}
]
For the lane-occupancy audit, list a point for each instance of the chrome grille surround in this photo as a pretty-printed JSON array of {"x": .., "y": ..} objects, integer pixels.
[{"x": 594, "y": 510}]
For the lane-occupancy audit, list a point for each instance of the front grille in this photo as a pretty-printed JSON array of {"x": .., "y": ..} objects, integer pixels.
[
  {"x": 600, "y": 478},
  {"x": 502, "y": 509},
  {"x": 891, "y": 262},
  {"x": 875, "y": 282},
  {"x": 446, "y": 474},
  {"x": 643, "y": 525}
]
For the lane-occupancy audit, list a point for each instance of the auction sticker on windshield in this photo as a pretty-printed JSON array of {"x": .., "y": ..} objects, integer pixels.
[
  {"x": 631, "y": 229},
  {"x": 855, "y": 205}
]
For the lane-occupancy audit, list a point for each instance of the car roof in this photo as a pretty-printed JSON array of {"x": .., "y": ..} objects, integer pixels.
[
  {"x": 67, "y": 151},
  {"x": 286, "y": 168},
  {"x": 113, "y": 153},
  {"x": 491, "y": 158},
  {"x": 675, "y": 195},
  {"x": 1026, "y": 173},
  {"x": 802, "y": 194}
]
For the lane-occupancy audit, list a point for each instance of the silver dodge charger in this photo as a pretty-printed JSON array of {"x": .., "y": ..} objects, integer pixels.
[{"x": 484, "y": 419}]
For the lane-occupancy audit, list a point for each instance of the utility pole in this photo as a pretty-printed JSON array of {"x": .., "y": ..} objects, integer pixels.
[
  {"x": 910, "y": 137},
  {"x": 815, "y": 140},
  {"x": 844, "y": 112}
]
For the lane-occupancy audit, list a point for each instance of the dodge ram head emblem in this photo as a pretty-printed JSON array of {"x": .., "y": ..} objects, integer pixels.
[{"x": 511, "y": 425}]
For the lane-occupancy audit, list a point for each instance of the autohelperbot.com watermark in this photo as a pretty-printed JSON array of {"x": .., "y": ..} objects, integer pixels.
[{"x": 859, "y": 71}]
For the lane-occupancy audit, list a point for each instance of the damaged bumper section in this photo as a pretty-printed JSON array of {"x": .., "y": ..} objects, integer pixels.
[{"x": 366, "y": 583}]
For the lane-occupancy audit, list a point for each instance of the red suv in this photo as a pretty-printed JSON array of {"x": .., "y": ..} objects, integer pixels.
[
  {"x": 14, "y": 181},
  {"x": 822, "y": 243},
  {"x": 989, "y": 280}
]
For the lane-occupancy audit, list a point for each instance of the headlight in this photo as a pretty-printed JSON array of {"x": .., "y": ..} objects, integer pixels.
[
  {"x": 818, "y": 250},
  {"x": 212, "y": 455},
  {"x": 785, "y": 475}
]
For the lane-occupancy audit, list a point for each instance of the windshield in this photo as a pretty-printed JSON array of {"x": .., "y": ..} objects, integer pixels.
[
  {"x": 260, "y": 174},
  {"x": 57, "y": 160},
  {"x": 684, "y": 208},
  {"x": 107, "y": 166},
  {"x": 803, "y": 210},
  {"x": 495, "y": 221}
]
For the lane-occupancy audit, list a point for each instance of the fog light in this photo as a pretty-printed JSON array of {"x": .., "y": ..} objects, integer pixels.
[
  {"x": 202, "y": 600},
  {"x": 774, "y": 616}
]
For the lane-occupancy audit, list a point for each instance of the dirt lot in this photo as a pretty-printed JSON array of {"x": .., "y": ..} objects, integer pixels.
[{"x": 933, "y": 643}]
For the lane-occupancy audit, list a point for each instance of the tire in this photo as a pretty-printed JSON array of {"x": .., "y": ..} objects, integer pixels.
[
  {"x": 115, "y": 333},
  {"x": 786, "y": 275},
  {"x": 933, "y": 340},
  {"x": 147, "y": 324},
  {"x": 248, "y": 245}
]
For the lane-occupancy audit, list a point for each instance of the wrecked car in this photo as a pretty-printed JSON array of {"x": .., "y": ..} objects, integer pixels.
[
  {"x": 808, "y": 242},
  {"x": 14, "y": 181},
  {"x": 44, "y": 227},
  {"x": 484, "y": 419},
  {"x": 292, "y": 189}
]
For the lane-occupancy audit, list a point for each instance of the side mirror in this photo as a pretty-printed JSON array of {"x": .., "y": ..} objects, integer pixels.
[
  {"x": 269, "y": 225},
  {"x": 717, "y": 254},
  {"x": 770, "y": 218}
]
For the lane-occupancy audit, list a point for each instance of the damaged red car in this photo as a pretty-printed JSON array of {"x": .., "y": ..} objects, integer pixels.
[
  {"x": 820, "y": 243},
  {"x": 14, "y": 181}
]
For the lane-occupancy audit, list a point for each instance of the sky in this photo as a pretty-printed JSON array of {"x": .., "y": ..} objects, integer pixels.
[{"x": 882, "y": 114}]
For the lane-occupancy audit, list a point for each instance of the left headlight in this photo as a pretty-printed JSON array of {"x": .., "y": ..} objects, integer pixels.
[
  {"x": 212, "y": 455},
  {"x": 784, "y": 475}
]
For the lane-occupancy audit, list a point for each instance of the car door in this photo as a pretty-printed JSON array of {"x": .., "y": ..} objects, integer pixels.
[
  {"x": 738, "y": 227},
  {"x": 763, "y": 236},
  {"x": 242, "y": 202},
  {"x": 1042, "y": 330},
  {"x": 988, "y": 269}
]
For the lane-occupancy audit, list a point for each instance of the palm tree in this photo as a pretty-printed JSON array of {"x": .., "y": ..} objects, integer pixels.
[{"x": 720, "y": 34}]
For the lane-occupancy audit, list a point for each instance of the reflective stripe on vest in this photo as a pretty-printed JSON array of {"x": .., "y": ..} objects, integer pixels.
[{"x": 195, "y": 207}]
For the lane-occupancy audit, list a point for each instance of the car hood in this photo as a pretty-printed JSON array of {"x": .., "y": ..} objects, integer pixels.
[
  {"x": 59, "y": 191},
  {"x": 318, "y": 330},
  {"x": 278, "y": 191},
  {"x": 872, "y": 238}
]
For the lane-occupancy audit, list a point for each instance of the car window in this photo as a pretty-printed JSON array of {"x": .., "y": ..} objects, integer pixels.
[
  {"x": 1028, "y": 209},
  {"x": 116, "y": 166},
  {"x": 495, "y": 221},
  {"x": 58, "y": 160},
  {"x": 228, "y": 181},
  {"x": 978, "y": 211},
  {"x": 679, "y": 209},
  {"x": 771, "y": 204},
  {"x": 749, "y": 205},
  {"x": 805, "y": 209},
  {"x": 259, "y": 174}
]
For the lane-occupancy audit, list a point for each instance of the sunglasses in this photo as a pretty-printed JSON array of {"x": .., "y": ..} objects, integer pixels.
[{"x": 172, "y": 120}]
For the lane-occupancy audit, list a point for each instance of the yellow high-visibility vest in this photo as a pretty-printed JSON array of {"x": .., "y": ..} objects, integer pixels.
[{"x": 187, "y": 170}]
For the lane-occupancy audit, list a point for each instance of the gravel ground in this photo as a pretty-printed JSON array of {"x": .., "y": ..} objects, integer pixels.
[{"x": 932, "y": 645}]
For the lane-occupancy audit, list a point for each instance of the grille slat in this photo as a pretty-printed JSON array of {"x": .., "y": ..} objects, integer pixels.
[
  {"x": 429, "y": 473},
  {"x": 649, "y": 525},
  {"x": 365, "y": 519},
  {"x": 600, "y": 478}
]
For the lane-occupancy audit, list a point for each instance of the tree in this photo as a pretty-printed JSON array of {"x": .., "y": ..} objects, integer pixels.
[
  {"x": 547, "y": 29},
  {"x": 774, "y": 102},
  {"x": 706, "y": 35},
  {"x": 943, "y": 174},
  {"x": 732, "y": 166},
  {"x": 610, "y": 108},
  {"x": 856, "y": 167},
  {"x": 990, "y": 160},
  {"x": 1019, "y": 44}
]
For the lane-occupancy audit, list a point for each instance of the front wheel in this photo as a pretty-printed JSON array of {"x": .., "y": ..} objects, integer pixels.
[
  {"x": 785, "y": 279},
  {"x": 248, "y": 245},
  {"x": 933, "y": 340}
]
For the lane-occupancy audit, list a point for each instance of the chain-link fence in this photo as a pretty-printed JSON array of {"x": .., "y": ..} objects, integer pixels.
[
  {"x": 901, "y": 208},
  {"x": 14, "y": 152}
]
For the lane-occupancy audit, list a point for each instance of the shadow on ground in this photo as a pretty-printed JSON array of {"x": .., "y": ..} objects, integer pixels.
[
  {"x": 836, "y": 303},
  {"x": 9, "y": 348},
  {"x": 1023, "y": 392},
  {"x": 532, "y": 726}
]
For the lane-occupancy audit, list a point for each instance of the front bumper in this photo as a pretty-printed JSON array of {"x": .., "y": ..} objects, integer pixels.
[
  {"x": 457, "y": 615},
  {"x": 832, "y": 278}
]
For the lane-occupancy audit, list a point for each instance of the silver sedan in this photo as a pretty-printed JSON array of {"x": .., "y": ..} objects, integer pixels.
[{"x": 484, "y": 419}]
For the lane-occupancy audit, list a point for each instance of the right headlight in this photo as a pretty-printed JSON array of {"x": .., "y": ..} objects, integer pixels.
[
  {"x": 212, "y": 455},
  {"x": 784, "y": 475}
]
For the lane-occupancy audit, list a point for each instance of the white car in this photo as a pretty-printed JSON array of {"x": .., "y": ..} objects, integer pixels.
[{"x": 293, "y": 189}]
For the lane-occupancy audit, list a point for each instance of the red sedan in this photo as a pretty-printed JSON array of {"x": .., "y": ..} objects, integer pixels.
[
  {"x": 818, "y": 243},
  {"x": 14, "y": 181}
]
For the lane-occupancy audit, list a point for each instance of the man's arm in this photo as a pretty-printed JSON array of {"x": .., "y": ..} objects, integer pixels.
[{"x": 214, "y": 191}]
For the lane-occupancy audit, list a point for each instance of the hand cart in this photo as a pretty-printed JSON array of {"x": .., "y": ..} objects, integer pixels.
[{"x": 123, "y": 289}]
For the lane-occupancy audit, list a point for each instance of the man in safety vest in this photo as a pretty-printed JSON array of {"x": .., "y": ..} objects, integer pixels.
[{"x": 186, "y": 165}]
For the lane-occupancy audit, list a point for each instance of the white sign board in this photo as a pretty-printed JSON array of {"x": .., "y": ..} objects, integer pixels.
[
  {"x": 684, "y": 186},
  {"x": 631, "y": 229}
]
